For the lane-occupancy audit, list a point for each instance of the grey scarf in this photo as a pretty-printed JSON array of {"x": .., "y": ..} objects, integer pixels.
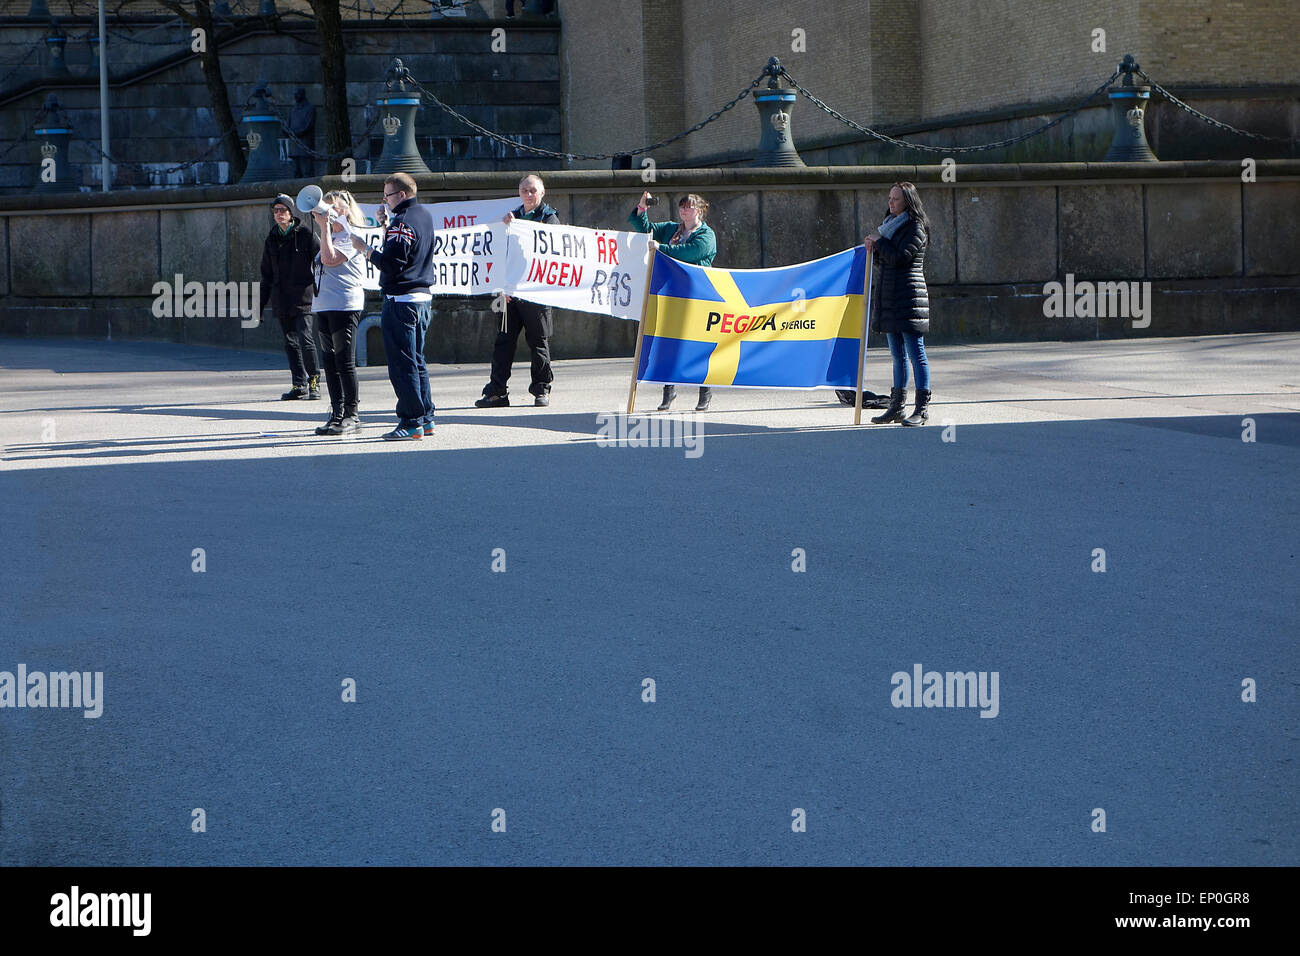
[{"x": 892, "y": 224}]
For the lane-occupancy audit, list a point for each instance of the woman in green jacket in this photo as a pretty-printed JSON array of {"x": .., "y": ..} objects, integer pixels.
[{"x": 691, "y": 241}]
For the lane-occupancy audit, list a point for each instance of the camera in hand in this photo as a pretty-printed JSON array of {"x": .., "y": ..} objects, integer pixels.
[{"x": 652, "y": 200}]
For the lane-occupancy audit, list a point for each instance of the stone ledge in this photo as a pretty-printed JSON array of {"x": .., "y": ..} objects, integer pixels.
[{"x": 733, "y": 178}]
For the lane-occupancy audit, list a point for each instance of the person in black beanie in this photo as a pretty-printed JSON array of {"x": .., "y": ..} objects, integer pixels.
[
  {"x": 535, "y": 321},
  {"x": 287, "y": 257}
]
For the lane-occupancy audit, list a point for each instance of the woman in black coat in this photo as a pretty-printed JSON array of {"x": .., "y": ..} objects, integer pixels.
[{"x": 902, "y": 301}]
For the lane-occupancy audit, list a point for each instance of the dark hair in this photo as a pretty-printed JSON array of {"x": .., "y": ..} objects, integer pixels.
[
  {"x": 701, "y": 204},
  {"x": 912, "y": 203}
]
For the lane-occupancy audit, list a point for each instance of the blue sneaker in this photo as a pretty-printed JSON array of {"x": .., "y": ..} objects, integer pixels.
[
  {"x": 427, "y": 430},
  {"x": 404, "y": 434}
]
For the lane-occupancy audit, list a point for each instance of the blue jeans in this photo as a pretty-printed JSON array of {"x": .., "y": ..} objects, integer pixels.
[
  {"x": 404, "y": 325},
  {"x": 915, "y": 343}
]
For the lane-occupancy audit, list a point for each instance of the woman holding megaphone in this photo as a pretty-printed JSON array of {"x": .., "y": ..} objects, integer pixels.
[{"x": 339, "y": 300}]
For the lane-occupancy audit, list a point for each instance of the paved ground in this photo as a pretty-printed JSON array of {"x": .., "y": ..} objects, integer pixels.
[{"x": 330, "y": 559}]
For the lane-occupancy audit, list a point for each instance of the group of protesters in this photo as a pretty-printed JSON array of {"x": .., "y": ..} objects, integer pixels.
[{"x": 315, "y": 284}]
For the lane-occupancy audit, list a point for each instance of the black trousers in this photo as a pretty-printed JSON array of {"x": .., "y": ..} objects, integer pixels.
[
  {"x": 338, "y": 340},
  {"x": 300, "y": 347},
  {"x": 536, "y": 322}
]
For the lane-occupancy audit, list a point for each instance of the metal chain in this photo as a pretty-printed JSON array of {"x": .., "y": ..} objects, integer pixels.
[
  {"x": 1201, "y": 116},
  {"x": 350, "y": 151},
  {"x": 141, "y": 167},
  {"x": 950, "y": 149},
  {"x": 168, "y": 25},
  {"x": 17, "y": 66},
  {"x": 504, "y": 140},
  {"x": 23, "y": 138}
]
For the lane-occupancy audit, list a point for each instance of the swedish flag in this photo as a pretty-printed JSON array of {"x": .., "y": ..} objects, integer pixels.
[{"x": 794, "y": 327}]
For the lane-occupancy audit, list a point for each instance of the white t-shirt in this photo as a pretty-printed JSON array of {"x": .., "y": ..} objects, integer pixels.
[{"x": 338, "y": 288}]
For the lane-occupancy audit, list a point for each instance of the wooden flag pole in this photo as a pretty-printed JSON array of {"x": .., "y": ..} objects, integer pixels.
[
  {"x": 640, "y": 333},
  {"x": 862, "y": 346}
]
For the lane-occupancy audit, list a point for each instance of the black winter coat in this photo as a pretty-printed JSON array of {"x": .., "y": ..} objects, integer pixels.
[
  {"x": 286, "y": 270},
  {"x": 902, "y": 300}
]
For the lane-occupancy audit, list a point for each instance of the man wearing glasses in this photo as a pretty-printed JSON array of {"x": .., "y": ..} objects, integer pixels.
[{"x": 405, "y": 275}]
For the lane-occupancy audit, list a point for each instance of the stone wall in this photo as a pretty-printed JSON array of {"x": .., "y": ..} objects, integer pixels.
[
  {"x": 917, "y": 64},
  {"x": 1221, "y": 255}
]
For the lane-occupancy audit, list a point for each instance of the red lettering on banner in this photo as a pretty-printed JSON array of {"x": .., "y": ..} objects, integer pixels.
[
  {"x": 742, "y": 327},
  {"x": 606, "y": 247},
  {"x": 454, "y": 222},
  {"x": 726, "y": 321},
  {"x": 551, "y": 272}
]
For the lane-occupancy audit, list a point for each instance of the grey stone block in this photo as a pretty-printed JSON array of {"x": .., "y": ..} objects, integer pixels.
[
  {"x": 802, "y": 225},
  {"x": 733, "y": 217},
  {"x": 607, "y": 210},
  {"x": 124, "y": 252},
  {"x": 246, "y": 230},
  {"x": 1101, "y": 232},
  {"x": 193, "y": 243},
  {"x": 1193, "y": 231},
  {"x": 50, "y": 255},
  {"x": 1006, "y": 234},
  {"x": 1272, "y": 232},
  {"x": 941, "y": 253}
]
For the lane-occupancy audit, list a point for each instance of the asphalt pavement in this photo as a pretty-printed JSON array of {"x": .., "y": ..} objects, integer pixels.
[{"x": 499, "y": 595}]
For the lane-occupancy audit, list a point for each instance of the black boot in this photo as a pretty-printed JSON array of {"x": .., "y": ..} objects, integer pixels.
[
  {"x": 349, "y": 422},
  {"x": 297, "y": 393},
  {"x": 894, "y": 413},
  {"x": 313, "y": 387},
  {"x": 670, "y": 392},
  {"x": 869, "y": 399},
  {"x": 703, "y": 404},
  {"x": 336, "y": 416},
  {"x": 919, "y": 414}
]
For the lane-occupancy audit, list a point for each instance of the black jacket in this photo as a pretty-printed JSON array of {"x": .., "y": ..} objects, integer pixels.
[
  {"x": 541, "y": 213},
  {"x": 405, "y": 261},
  {"x": 286, "y": 269},
  {"x": 902, "y": 300}
]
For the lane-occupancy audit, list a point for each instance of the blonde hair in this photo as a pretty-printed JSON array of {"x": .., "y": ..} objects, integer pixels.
[
  {"x": 403, "y": 182},
  {"x": 355, "y": 216}
]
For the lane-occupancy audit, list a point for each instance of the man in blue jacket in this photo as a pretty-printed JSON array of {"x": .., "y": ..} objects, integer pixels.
[{"x": 405, "y": 276}]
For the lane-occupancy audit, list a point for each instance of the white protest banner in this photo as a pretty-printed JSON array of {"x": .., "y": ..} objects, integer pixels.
[
  {"x": 453, "y": 215},
  {"x": 573, "y": 267},
  {"x": 471, "y": 212},
  {"x": 469, "y": 260},
  {"x": 446, "y": 215}
]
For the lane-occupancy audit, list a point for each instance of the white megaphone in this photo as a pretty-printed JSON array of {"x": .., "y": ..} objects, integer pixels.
[{"x": 311, "y": 199}]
